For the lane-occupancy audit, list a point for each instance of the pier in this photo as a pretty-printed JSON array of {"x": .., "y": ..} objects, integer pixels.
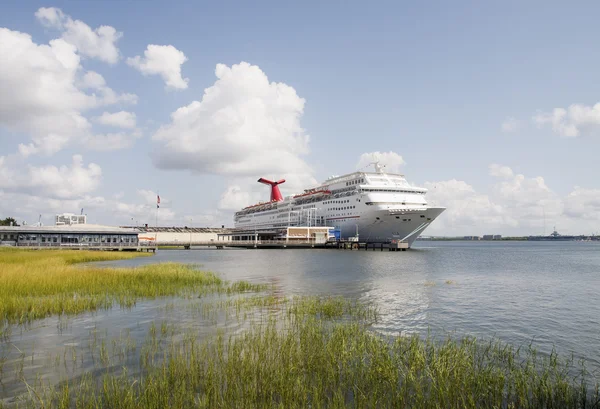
[
  {"x": 293, "y": 237},
  {"x": 292, "y": 244}
]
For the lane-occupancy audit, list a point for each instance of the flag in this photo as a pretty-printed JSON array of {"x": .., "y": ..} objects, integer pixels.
[{"x": 157, "y": 201}]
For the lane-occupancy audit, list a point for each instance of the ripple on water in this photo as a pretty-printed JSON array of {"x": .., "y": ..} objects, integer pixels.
[{"x": 540, "y": 293}]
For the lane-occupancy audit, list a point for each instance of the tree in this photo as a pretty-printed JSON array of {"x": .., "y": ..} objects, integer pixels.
[{"x": 8, "y": 222}]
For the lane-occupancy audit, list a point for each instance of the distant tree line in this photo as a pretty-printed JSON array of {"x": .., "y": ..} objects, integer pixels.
[{"x": 9, "y": 221}]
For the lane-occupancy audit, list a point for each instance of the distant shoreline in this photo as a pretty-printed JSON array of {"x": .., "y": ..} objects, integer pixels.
[{"x": 515, "y": 238}]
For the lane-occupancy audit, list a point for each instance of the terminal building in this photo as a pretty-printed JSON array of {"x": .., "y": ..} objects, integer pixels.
[{"x": 75, "y": 235}]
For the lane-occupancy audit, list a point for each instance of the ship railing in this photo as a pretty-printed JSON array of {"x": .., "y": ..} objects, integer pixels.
[{"x": 279, "y": 242}]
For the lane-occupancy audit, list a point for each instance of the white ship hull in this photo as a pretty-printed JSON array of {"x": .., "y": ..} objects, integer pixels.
[
  {"x": 377, "y": 207},
  {"x": 388, "y": 227}
]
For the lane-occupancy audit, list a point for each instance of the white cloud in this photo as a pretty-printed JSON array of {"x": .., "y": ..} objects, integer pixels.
[
  {"x": 38, "y": 82},
  {"x": 99, "y": 43},
  {"x": 243, "y": 126},
  {"x": 27, "y": 207},
  {"x": 163, "y": 60},
  {"x": 91, "y": 79},
  {"x": 528, "y": 200},
  {"x": 510, "y": 124},
  {"x": 583, "y": 204},
  {"x": 64, "y": 182},
  {"x": 144, "y": 213},
  {"x": 42, "y": 92},
  {"x": 106, "y": 96},
  {"x": 245, "y": 191},
  {"x": 100, "y": 210},
  {"x": 121, "y": 119},
  {"x": 149, "y": 197},
  {"x": 501, "y": 171},
  {"x": 467, "y": 212},
  {"x": 213, "y": 218},
  {"x": 50, "y": 17},
  {"x": 48, "y": 193},
  {"x": 516, "y": 204},
  {"x": 236, "y": 198},
  {"x": 391, "y": 160},
  {"x": 111, "y": 141},
  {"x": 573, "y": 121}
]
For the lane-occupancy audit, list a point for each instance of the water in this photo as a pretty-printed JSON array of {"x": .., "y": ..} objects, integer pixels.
[{"x": 519, "y": 292}]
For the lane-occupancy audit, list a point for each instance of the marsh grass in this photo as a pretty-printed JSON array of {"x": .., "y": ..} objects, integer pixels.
[
  {"x": 306, "y": 357},
  {"x": 37, "y": 284},
  {"x": 317, "y": 352}
]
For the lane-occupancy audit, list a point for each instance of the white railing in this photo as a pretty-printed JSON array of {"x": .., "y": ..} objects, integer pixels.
[{"x": 241, "y": 243}]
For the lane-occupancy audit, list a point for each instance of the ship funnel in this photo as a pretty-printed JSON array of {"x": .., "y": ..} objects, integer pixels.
[{"x": 275, "y": 193}]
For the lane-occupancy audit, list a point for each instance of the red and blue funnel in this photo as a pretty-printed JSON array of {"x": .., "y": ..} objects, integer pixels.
[{"x": 275, "y": 193}]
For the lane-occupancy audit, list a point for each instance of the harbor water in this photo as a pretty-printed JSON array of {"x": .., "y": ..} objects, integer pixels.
[
  {"x": 547, "y": 293},
  {"x": 541, "y": 293}
]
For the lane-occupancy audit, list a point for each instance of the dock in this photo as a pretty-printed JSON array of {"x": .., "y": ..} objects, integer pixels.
[{"x": 292, "y": 244}]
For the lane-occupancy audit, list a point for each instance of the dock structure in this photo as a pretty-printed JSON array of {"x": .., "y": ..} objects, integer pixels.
[
  {"x": 296, "y": 244},
  {"x": 291, "y": 237}
]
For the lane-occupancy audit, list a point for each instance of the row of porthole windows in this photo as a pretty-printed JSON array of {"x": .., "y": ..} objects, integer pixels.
[
  {"x": 344, "y": 208},
  {"x": 393, "y": 191},
  {"x": 337, "y": 201},
  {"x": 355, "y": 182}
]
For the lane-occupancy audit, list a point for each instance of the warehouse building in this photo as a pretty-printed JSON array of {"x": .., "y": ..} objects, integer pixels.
[{"x": 179, "y": 235}]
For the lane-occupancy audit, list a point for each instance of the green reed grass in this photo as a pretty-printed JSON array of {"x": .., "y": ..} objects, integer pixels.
[
  {"x": 37, "y": 284},
  {"x": 317, "y": 352},
  {"x": 307, "y": 358}
]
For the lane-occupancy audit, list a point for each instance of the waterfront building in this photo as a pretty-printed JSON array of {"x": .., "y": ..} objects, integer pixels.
[{"x": 76, "y": 235}]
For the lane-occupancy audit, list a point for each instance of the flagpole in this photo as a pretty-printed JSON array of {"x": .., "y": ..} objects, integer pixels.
[{"x": 156, "y": 220}]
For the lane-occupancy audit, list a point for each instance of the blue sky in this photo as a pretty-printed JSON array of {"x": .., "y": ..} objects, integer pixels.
[{"x": 432, "y": 82}]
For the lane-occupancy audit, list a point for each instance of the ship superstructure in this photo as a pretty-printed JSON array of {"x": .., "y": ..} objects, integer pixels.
[{"x": 376, "y": 206}]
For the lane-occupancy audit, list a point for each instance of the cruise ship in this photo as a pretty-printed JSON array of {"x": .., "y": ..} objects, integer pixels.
[{"x": 371, "y": 206}]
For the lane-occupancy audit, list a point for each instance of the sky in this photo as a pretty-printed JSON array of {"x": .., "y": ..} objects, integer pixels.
[{"x": 492, "y": 106}]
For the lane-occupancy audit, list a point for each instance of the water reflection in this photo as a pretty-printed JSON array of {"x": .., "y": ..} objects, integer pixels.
[{"x": 518, "y": 292}]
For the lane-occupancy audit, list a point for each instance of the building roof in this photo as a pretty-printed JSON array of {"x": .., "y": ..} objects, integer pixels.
[
  {"x": 178, "y": 229},
  {"x": 96, "y": 228},
  {"x": 68, "y": 228}
]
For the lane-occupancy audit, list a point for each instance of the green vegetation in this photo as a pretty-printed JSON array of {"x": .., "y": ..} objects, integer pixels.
[
  {"x": 317, "y": 353},
  {"x": 36, "y": 284},
  {"x": 299, "y": 352},
  {"x": 8, "y": 221}
]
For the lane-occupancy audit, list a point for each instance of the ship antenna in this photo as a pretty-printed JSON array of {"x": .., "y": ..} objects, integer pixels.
[{"x": 378, "y": 167}]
